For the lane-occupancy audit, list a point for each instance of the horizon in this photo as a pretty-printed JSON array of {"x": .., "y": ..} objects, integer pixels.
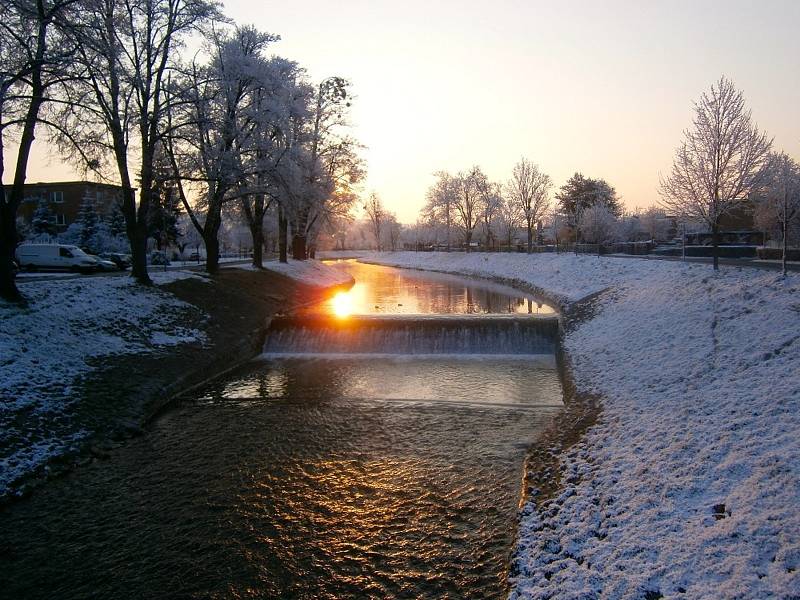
[{"x": 447, "y": 102}]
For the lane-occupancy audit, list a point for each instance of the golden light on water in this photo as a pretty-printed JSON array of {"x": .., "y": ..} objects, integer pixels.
[{"x": 342, "y": 304}]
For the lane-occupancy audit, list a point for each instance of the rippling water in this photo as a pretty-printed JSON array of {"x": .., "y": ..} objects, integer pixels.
[{"x": 299, "y": 478}]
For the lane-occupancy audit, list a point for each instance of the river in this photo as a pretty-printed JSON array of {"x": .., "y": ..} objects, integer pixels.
[{"x": 389, "y": 471}]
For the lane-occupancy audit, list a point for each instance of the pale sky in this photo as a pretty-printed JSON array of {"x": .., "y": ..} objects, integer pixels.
[{"x": 601, "y": 87}]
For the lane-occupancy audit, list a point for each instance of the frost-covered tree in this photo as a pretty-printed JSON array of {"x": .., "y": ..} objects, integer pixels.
[
  {"x": 277, "y": 102},
  {"x": 720, "y": 163},
  {"x": 509, "y": 219},
  {"x": 491, "y": 199},
  {"x": 439, "y": 206},
  {"x": 655, "y": 223},
  {"x": 529, "y": 189},
  {"x": 43, "y": 220},
  {"x": 328, "y": 165},
  {"x": 87, "y": 223},
  {"x": 207, "y": 128},
  {"x": 115, "y": 220},
  {"x": 598, "y": 224},
  {"x": 377, "y": 215},
  {"x": 580, "y": 193},
  {"x": 393, "y": 232},
  {"x": 467, "y": 203},
  {"x": 781, "y": 201}
]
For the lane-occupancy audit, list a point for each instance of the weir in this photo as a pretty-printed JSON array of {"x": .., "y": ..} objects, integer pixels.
[{"x": 417, "y": 335}]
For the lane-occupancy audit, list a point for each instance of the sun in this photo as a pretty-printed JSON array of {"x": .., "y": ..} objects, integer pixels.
[{"x": 342, "y": 304}]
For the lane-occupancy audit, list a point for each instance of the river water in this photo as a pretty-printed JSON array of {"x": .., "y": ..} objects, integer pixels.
[{"x": 376, "y": 474}]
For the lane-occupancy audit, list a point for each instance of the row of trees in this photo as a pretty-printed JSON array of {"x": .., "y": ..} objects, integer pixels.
[
  {"x": 108, "y": 82},
  {"x": 468, "y": 201},
  {"x": 723, "y": 162}
]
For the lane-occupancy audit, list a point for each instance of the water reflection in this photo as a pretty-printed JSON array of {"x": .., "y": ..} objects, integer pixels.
[{"x": 384, "y": 290}]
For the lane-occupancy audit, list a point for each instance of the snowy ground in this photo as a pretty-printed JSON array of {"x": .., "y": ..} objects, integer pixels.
[
  {"x": 47, "y": 347},
  {"x": 689, "y": 486},
  {"x": 310, "y": 272}
]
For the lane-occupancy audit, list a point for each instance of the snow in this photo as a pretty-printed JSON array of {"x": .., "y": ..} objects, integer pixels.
[
  {"x": 310, "y": 272},
  {"x": 47, "y": 347},
  {"x": 700, "y": 379}
]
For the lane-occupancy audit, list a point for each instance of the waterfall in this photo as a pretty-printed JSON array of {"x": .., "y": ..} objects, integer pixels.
[{"x": 412, "y": 335}]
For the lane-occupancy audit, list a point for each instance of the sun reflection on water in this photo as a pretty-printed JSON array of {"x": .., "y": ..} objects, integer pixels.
[{"x": 342, "y": 304}]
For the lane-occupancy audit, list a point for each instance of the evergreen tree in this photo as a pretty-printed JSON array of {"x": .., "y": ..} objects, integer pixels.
[
  {"x": 580, "y": 193},
  {"x": 88, "y": 222},
  {"x": 162, "y": 223},
  {"x": 43, "y": 219},
  {"x": 116, "y": 220}
]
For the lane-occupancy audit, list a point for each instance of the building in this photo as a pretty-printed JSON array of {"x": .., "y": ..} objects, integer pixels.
[{"x": 64, "y": 199}]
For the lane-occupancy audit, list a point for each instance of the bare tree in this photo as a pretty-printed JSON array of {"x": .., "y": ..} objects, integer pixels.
[
  {"x": 490, "y": 202},
  {"x": 467, "y": 198},
  {"x": 35, "y": 60},
  {"x": 440, "y": 203},
  {"x": 376, "y": 215},
  {"x": 529, "y": 189},
  {"x": 781, "y": 201},
  {"x": 394, "y": 230},
  {"x": 127, "y": 49},
  {"x": 510, "y": 219},
  {"x": 720, "y": 163}
]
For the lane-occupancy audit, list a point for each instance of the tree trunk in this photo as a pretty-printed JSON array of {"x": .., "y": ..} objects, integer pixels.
[
  {"x": 137, "y": 237},
  {"x": 212, "y": 251},
  {"x": 785, "y": 228},
  {"x": 283, "y": 235},
  {"x": 258, "y": 247},
  {"x": 715, "y": 245},
  {"x": 530, "y": 237},
  {"x": 468, "y": 240},
  {"x": 298, "y": 246},
  {"x": 8, "y": 244}
]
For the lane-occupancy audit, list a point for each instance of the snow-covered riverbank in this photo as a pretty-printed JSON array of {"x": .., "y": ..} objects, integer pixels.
[
  {"x": 689, "y": 486},
  {"x": 70, "y": 331},
  {"x": 309, "y": 272},
  {"x": 48, "y": 346}
]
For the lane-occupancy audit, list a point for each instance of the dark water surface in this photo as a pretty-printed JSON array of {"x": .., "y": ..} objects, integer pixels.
[{"x": 300, "y": 477}]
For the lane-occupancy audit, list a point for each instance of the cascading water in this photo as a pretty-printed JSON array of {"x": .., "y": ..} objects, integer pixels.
[{"x": 412, "y": 335}]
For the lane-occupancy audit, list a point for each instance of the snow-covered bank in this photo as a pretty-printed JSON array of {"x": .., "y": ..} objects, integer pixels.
[
  {"x": 309, "y": 272},
  {"x": 689, "y": 486},
  {"x": 48, "y": 346}
]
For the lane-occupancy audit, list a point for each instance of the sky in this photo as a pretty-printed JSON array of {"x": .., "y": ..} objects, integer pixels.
[{"x": 601, "y": 87}]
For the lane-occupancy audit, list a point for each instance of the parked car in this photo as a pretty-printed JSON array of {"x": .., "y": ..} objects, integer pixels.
[
  {"x": 159, "y": 258},
  {"x": 103, "y": 264},
  {"x": 123, "y": 261},
  {"x": 55, "y": 256}
]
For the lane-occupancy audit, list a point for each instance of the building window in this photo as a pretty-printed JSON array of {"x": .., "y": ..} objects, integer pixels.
[
  {"x": 61, "y": 219},
  {"x": 57, "y": 197}
]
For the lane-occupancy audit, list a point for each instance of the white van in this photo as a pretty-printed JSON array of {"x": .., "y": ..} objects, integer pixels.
[{"x": 54, "y": 256}]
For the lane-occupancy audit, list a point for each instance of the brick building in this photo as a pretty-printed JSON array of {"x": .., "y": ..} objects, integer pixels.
[{"x": 64, "y": 198}]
